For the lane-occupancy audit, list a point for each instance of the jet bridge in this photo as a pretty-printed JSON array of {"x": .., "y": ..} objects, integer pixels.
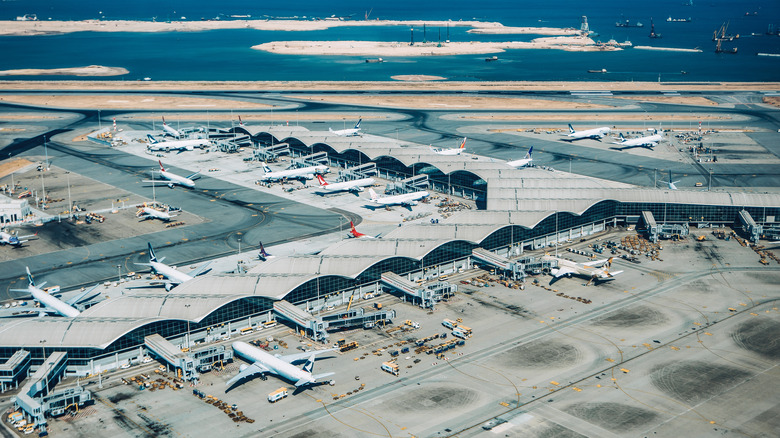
[
  {"x": 172, "y": 355},
  {"x": 497, "y": 261},
  {"x": 426, "y": 297},
  {"x": 356, "y": 318},
  {"x": 314, "y": 326},
  {"x": 409, "y": 185},
  {"x": 663, "y": 231},
  {"x": 749, "y": 226},
  {"x": 14, "y": 370},
  {"x": 358, "y": 172},
  {"x": 271, "y": 153},
  {"x": 318, "y": 159}
]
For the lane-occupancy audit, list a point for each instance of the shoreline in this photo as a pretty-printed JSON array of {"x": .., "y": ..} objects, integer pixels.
[
  {"x": 403, "y": 49},
  {"x": 56, "y": 27},
  {"x": 347, "y": 86},
  {"x": 90, "y": 70}
]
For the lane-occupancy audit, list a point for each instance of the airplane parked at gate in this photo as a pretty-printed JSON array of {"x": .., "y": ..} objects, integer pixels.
[
  {"x": 407, "y": 199},
  {"x": 173, "y": 276},
  {"x": 175, "y": 145},
  {"x": 351, "y": 186},
  {"x": 348, "y": 132},
  {"x": 451, "y": 151},
  {"x": 595, "y": 133},
  {"x": 171, "y": 179},
  {"x": 671, "y": 184},
  {"x": 523, "y": 162},
  {"x": 597, "y": 270},
  {"x": 299, "y": 173},
  {"x": 52, "y": 304},
  {"x": 649, "y": 141},
  {"x": 14, "y": 240},
  {"x": 170, "y": 131},
  {"x": 282, "y": 366},
  {"x": 264, "y": 255}
]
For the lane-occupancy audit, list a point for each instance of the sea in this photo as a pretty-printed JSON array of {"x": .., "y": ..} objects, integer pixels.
[{"x": 226, "y": 55}]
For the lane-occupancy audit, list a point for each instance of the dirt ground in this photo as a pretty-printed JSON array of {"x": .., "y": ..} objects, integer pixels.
[
  {"x": 683, "y": 100},
  {"x": 459, "y": 102}
]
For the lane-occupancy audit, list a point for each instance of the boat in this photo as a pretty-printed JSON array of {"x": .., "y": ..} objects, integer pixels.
[
  {"x": 603, "y": 70},
  {"x": 492, "y": 58},
  {"x": 678, "y": 20},
  {"x": 27, "y": 17},
  {"x": 628, "y": 23},
  {"x": 375, "y": 60}
]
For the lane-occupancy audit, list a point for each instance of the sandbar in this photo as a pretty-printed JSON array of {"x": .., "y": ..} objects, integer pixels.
[
  {"x": 90, "y": 70},
  {"x": 32, "y": 28},
  {"x": 508, "y": 30},
  {"x": 403, "y": 49},
  {"x": 417, "y": 78},
  {"x": 128, "y": 101},
  {"x": 452, "y": 102},
  {"x": 683, "y": 100}
]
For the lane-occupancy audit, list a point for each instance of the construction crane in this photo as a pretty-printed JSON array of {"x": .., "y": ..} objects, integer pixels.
[
  {"x": 368, "y": 13},
  {"x": 720, "y": 35}
]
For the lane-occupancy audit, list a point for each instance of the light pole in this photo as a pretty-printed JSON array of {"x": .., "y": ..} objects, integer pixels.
[
  {"x": 70, "y": 201},
  {"x": 187, "y": 306},
  {"x": 239, "y": 246},
  {"x": 100, "y": 125},
  {"x": 118, "y": 273},
  {"x": 709, "y": 186},
  {"x": 46, "y": 152}
]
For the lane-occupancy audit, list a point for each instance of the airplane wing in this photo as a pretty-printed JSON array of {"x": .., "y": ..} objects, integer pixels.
[
  {"x": 81, "y": 297},
  {"x": 251, "y": 370},
  {"x": 164, "y": 182},
  {"x": 194, "y": 175},
  {"x": 199, "y": 270},
  {"x": 596, "y": 263},
  {"x": 297, "y": 357},
  {"x": 563, "y": 271}
]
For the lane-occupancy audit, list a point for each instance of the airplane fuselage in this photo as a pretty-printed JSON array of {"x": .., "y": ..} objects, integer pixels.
[
  {"x": 405, "y": 199},
  {"x": 52, "y": 302},
  {"x": 303, "y": 172},
  {"x": 176, "y": 179},
  {"x": 169, "y": 272},
  {"x": 274, "y": 365},
  {"x": 357, "y": 184}
]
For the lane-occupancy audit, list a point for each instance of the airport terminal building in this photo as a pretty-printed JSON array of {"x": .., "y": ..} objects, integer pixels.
[{"x": 518, "y": 210}]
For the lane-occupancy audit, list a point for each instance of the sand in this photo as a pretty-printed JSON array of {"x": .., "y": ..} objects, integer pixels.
[
  {"x": 417, "y": 78},
  {"x": 350, "y": 86},
  {"x": 453, "y": 102},
  {"x": 49, "y": 27},
  {"x": 605, "y": 117},
  {"x": 404, "y": 49},
  {"x": 90, "y": 70},
  {"x": 772, "y": 100},
  {"x": 128, "y": 101},
  {"x": 682, "y": 100},
  {"x": 506, "y": 30},
  {"x": 8, "y": 167}
]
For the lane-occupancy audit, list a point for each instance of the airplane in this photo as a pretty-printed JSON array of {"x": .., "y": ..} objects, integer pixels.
[
  {"x": 451, "y": 151},
  {"x": 351, "y": 186},
  {"x": 152, "y": 213},
  {"x": 348, "y": 132},
  {"x": 173, "y": 276},
  {"x": 597, "y": 270},
  {"x": 171, "y": 179},
  {"x": 299, "y": 173},
  {"x": 670, "y": 183},
  {"x": 353, "y": 233},
  {"x": 154, "y": 145},
  {"x": 523, "y": 162},
  {"x": 264, "y": 363},
  {"x": 240, "y": 122},
  {"x": 170, "y": 131},
  {"x": 264, "y": 255},
  {"x": 15, "y": 241},
  {"x": 52, "y": 304},
  {"x": 407, "y": 199},
  {"x": 595, "y": 133},
  {"x": 649, "y": 141}
]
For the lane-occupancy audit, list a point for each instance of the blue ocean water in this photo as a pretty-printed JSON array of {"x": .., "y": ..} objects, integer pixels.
[{"x": 227, "y": 54}]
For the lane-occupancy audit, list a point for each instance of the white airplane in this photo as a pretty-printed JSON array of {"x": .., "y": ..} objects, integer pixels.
[
  {"x": 170, "y": 131},
  {"x": 595, "y": 133},
  {"x": 596, "y": 270},
  {"x": 264, "y": 363},
  {"x": 407, "y": 199},
  {"x": 152, "y": 213},
  {"x": 173, "y": 276},
  {"x": 451, "y": 151},
  {"x": 175, "y": 145},
  {"x": 240, "y": 122},
  {"x": 355, "y": 234},
  {"x": 171, "y": 179},
  {"x": 348, "y": 132},
  {"x": 523, "y": 162},
  {"x": 649, "y": 141},
  {"x": 52, "y": 304},
  {"x": 299, "y": 173},
  {"x": 351, "y": 186},
  {"x": 13, "y": 240},
  {"x": 671, "y": 184}
]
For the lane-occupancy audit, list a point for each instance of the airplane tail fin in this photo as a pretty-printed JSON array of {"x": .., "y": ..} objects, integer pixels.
[
  {"x": 571, "y": 130},
  {"x": 152, "y": 257},
  {"x": 371, "y": 192},
  {"x": 309, "y": 365},
  {"x": 266, "y": 169},
  {"x": 161, "y": 166},
  {"x": 463, "y": 143},
  {"x": 609, "y": 262},
  {"x": 164, "y": 124},
  {"x": 240, "y": 123},
  {"x": 262, "y": 251},
  {"x": 621, "y": 137},
  {"x": 151, "y": 139},
  {"x": 357, "y": 125},
  {"x": 29, "y": 277},
  {"x": 321, "y": 179},
  {"x": 530, "y": 151},
  {"x": 331, "y": 130}
]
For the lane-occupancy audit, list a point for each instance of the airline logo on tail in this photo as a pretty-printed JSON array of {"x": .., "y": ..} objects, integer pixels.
[
  {"x": 240, "y": 123},
  {"x": 266, "y": 169},
  {"x": 321, "y": 180},
  {"x": 530, "y": 151},
  {"x": 309, "y": 365},
  {"x": 357, "y": 125},
  {"x": 373, "y": 195},
  {"x": 29, "y": 277},
  {"x": 151, "y": 139},
  {"x": 161, "y": 166},
  {"x": 463, "y": 144},
  {"x": 571, "y": 129},
  {"x": 152, "y": 257}
]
